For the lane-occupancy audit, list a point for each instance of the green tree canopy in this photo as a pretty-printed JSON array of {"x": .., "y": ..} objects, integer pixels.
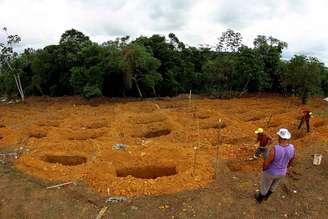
[
  {"x": 303, "y": 76},
  {"x": 158, "y": 66}
]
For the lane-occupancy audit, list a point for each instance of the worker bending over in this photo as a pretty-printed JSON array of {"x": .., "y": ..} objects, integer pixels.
[
  {"x": 307, "y": 114},
  {"x": 262, "y": 141}
]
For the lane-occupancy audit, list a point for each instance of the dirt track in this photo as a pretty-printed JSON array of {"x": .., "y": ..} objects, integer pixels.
[{"x": 68, "y": 139}]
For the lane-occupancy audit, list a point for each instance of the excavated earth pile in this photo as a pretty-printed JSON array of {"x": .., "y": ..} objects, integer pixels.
[{"x": 69, "y": 139}]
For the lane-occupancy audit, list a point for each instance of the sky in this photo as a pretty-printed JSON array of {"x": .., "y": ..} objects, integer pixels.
[{"x": 303, "y": 24}]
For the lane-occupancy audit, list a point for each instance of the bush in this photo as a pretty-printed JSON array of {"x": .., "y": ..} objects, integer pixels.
[{"x": 91, "y": 91}]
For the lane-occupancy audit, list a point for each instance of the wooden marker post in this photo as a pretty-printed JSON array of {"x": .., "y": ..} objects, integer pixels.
[
  {"x": 217, "y": 148},
  {"x": 190, "y": 98},
  {"x": 196, "y": 148}
]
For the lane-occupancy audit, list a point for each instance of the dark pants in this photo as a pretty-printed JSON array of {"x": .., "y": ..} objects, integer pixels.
[
  {"x": 262, "y": 150},
  {"x": 307, "y": 121}
]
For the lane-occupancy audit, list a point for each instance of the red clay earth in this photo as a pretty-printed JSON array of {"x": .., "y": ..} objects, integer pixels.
[{"x": 69, "y": 139}]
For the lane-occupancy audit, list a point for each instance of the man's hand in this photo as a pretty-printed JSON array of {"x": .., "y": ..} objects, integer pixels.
[
  {"x": 291, "y": 162},
  {"x": 268, "y": 161}
]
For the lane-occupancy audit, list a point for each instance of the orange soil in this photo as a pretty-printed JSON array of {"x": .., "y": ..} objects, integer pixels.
[{"x": 71, "y": 139}]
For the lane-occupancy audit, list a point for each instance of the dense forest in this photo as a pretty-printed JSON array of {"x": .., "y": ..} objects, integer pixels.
[{"x": 158, "y": 66}]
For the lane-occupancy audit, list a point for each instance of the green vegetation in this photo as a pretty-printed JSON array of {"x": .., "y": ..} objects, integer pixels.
[{"x": 158, "y": 66}]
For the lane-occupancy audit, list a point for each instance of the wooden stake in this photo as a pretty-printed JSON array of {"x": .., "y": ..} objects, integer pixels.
[
  {"x": 217, "y": 148},
  {"x": 190, "y": 98},
  {"x": 269, "y": 120},
  {"x": 194, "y": 164},
  {"x": 195, "y": 148},
  {"x": 59, "y": 185},
  {"x": 198, "y": 132},
  {"x": 102, "y": 212}
]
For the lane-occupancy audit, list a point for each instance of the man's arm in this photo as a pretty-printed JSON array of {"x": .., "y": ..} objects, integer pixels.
[
  {"x": 291, "y": 161},
  {"x": 269, "y": 140},
  {"x": 268, "y": 161}
]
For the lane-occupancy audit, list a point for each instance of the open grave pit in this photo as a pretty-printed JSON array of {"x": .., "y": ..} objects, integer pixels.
[
  {"x": 130, "y": 172},
  {"x": 66, "y": 160},
  {"x": 147, "y": 172},
  {"x": 152, "y": 130}
]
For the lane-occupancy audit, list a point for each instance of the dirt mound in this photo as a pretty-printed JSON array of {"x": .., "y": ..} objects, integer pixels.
[
  {"x": 212, "y": 123},
  {"x": 101, "y": 123},
  {"x": 49, "y": 123},
  {"x": 144, "y": 107},
  {"x": 244, "y": 166},
  {"x": 320, "y": 123},
  {"x": 73, "y": 141},
  {"x": 251, "y": 116},
  {"x": 148, "y": 118},
  {"x": 205, "y": 114},
  {"x": 9, "y": 137},
  {"x": 130, "y": 172},
  {"x": 84, "y": 135},
  {"x": 37, "y": 133}
]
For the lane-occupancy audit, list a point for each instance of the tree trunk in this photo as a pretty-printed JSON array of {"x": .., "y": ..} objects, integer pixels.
[
  {"x": 137, "y": 85},
  {"x": 18, "y": 82},
  {"x": 19, "y": 87},
  {"x": 245, "y": 89},
  {"x": 154, "y": 91},
  {"x": 305, "y": 97}
]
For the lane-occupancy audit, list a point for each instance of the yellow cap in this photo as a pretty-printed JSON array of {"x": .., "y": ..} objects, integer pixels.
[{"x": 259, "y": 130}]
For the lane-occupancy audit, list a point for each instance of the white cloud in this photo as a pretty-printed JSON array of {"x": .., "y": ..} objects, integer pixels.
[{"x": 300, "y": 23}]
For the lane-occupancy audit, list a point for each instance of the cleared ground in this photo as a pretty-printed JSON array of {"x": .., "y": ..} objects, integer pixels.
[{"x": 69, "y": 139}]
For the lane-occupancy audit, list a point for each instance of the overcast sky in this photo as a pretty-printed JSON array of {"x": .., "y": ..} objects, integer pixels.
[{"x": 300, "y": 23}]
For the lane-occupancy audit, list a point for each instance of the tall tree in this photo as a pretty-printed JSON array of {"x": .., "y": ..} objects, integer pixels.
[
  {"x": 8, "y": 57},
  {"x": 303, "y": 76},
  {"x": 87, "y": 78},
  {"x": 219, "y": 74},
  {"x": 324, "y": 79},
  {"x": 230, "y": 41},
  {"x": 270, "y": 50},
  {"x": 142, "y": 68},
  {"x": 73, "y": 38},
  {"x": 250, "y": 75}
]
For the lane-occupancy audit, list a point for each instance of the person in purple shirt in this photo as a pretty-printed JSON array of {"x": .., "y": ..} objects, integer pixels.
[{"x": 275, "y": 166}]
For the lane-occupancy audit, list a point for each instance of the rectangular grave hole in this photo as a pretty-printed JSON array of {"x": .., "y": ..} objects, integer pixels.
[
  {"x": 147, "y": 172},
  {"x": 65, "y": 159},
  {"x": 157, "y": 133}
]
